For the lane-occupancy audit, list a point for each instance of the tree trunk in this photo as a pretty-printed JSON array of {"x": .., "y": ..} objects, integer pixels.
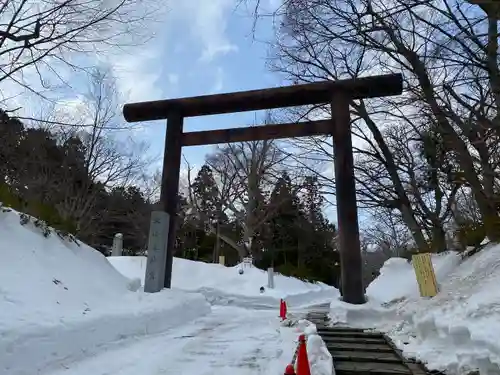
[
  {"x": 404, "y": 203},
  {"x": 485, "y": 204}
]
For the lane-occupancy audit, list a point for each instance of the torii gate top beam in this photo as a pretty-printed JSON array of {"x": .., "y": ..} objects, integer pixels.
[{"x": 280, "y": 97}]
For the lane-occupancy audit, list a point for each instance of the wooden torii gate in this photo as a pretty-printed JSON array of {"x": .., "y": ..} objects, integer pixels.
[{"x": 337, "y": 93}]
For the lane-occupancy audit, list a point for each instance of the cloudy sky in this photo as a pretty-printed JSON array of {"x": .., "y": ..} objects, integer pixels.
[
  {"x": 199, "y": 47},
  {"x": 203, "y": 47}
]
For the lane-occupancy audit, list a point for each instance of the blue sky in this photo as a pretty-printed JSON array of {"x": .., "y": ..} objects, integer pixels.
[
  {"x": 200, "y": 47},
  {"x": 204, "y": 47}
]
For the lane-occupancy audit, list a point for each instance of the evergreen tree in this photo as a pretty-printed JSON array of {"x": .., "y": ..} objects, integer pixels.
[
  {"x": 313, "y": 202},
  {"x": 282, "y": 236},
  {"x": 209, "y": 207},
  {"x": 206, "y": 194},
  {"x": 206, "y": 191},
  {"x": 319, "y": 252}
]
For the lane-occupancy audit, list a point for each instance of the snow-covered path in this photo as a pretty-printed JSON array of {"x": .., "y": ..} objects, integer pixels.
[{"x": 228, "y": 341}]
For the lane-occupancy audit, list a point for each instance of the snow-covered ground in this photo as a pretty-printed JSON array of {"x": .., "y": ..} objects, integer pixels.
[
  {"x": 457, "y": 331},
  {"x": 64, "y": 309},
  {"x": 62, "y": 301},
  {"x": 225, "y": 286},
  {"x": 230, "y": 341},
  {"x": 220, "y": 343}
]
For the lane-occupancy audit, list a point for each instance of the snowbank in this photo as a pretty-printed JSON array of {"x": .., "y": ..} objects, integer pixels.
[
  {"x": 320, "y": 359},
  {"x": 397, "y": 277},
  {"x": 456, "y": 331},
  {"x": 59, "y": 299},
  {"x": 225, "y": 286}
]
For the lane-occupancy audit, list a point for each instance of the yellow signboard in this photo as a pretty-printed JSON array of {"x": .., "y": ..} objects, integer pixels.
[{"x": 424, "y": 271}]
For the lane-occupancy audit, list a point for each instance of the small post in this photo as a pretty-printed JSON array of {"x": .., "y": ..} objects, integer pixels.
[
  {"x": 170, "y": 185},
  {"x": 217, "y": 240},
  {"x": 222, "y": 260},
  {"x": 157, "y": 252},
  {"x": 247, "y": 262},
  {"x": 270, "y": 278},
  {"x": 347, "y": 211},
  {"x": 117, "y": 249}
]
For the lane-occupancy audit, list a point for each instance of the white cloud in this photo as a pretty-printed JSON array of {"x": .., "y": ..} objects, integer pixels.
[
  {"x": 138, "y": 71},
  {"x": 137, "y": 74},
  {"x": 271, "y": 5},
  {"x": 219, "y": 80},
  {"x": 214, "y": 49},
  {"x": 207, "y": 21},
  {"x": 73, "y": 110},
  {"x": 173, "y": 79}
]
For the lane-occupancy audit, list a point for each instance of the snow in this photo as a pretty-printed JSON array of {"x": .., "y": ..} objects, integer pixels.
[
  {"x": 320, "y": 359},
  {"x": 225, "y": 286},
  {"x": 456, "y": 331},
  {"x": 397, "y": 277},
  {"x": 60, "y": 301},
  {"x": 64, "y": 309},
  {"x": 67, "y": 310},
  {"x": 220, "y": 343}
]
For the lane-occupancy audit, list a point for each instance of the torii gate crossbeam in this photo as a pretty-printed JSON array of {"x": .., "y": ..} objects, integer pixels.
[{"x": 338, "y": 94}]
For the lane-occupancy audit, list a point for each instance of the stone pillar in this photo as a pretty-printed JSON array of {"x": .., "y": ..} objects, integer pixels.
[
  {"x": 270, "y": 278},
  {"x": 117, "y": 245},
  {"x": 157, "y": 252}
]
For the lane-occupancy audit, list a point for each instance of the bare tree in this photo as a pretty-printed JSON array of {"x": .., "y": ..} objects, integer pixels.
[
  {"x": 322, "y": 39},
  {"x": 108, "y": 160},
  {"x": 150, "y": 185},
  {"x": 388, "y": 234},
  {"x": 41, "y": 35},
  {"x": 245, "y": 174},
  {"x": 252, "y": 167}
]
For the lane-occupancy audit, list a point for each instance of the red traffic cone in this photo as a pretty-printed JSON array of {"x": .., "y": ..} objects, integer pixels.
[
  {"x": 284, "y": 310},
  {"x": 302, "y": 359},
  {"x": 289, "y": 370}
]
